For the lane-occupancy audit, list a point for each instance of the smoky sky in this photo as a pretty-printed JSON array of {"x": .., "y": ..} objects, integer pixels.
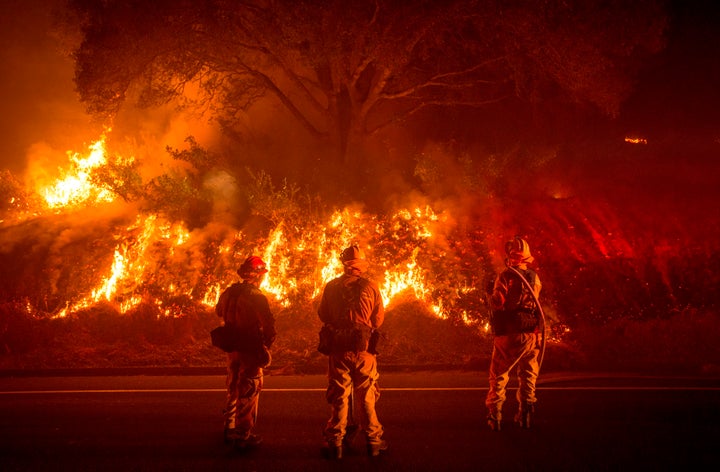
[
  {"x": 36, "y": 88},
  {"x": 677, "y": 94},
  {"x": 676, "y": 102}
]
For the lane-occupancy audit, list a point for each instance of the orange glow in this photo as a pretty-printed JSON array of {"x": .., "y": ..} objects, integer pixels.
[
  {"x": 278, "y": 281},
  {"x": 155, "y": 260},
  {"x": 408, "y": 277},
  {"x": 635, "y": 140},
  {"x": 75, "y": 186},
  {"x": 133, "y": 262}
]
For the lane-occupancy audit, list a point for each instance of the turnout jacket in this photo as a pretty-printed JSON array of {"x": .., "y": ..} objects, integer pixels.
[
  {"x": 350, "y": 300},
  {"x": 510, "y": 293},
  {"x": 514, "y": 309},
  {"x": 244, "y": 306}
]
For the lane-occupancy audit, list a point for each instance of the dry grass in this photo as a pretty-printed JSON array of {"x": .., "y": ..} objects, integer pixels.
[{"x": 684, "y": 342}]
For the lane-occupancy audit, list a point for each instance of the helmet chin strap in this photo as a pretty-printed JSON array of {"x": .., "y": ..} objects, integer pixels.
[{"x": 527, "y": 285}]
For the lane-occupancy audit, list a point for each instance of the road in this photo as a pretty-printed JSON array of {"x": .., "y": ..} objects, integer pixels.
[{"x": 434, "y": 421}]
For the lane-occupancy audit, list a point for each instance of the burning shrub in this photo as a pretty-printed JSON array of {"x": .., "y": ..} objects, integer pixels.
[
  {"x": 14, "y": 197},
  {"x": 145, "y": 277}
]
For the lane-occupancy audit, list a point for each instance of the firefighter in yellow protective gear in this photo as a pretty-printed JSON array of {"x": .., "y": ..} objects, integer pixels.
[
  {"x": 352, "y": 310},
  {"x": 516, "y": 341},
  {"x": 245, "y": 307}
]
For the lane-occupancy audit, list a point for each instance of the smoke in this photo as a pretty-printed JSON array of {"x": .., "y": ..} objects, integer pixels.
[
  {"x": 36, "y": 88},
  {"x": 605, "y": 209},
  {"x": 225, "y": 193}
]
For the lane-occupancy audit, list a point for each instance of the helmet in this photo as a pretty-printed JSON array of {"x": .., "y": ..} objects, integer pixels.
[
  {"x": 353, "y": 258},
  {"x": 252, "y": 267},
  {"x": 518, "y": 251},
  {"x": 352, "y": 253}
]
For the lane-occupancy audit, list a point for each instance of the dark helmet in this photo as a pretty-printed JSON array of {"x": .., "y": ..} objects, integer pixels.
[
  {"x": 352, "y": 254},
  {"x": 252, "y": 267},
  {"x": 353, "y": 259}
]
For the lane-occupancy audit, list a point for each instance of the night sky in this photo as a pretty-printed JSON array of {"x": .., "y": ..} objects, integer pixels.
[
  {"x": 36, "y": 88},
  {"x": 676, "y": 99},
  {"x": 679, "y": 90}
]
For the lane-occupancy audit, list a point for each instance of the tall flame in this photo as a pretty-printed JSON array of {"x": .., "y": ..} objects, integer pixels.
[
  {"x": 155, "y": 260},
  {"x": 278, "y": 282},
  {"x": 76, "y": 185}
]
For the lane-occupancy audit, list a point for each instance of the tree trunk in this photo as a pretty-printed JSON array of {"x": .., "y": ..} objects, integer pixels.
[{"x": 344, "y": 124}]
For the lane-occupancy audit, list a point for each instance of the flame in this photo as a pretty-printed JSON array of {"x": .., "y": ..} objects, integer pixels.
[
  {"x": 154, "y": 260},
  {"x": 132, "y": 263},
  {"x": 635, "y": 140},
  {"x": 109, "y": 286},
  {"x": 76, "y": 185},
  {"x": 409, "y": 277},
  {"x": 278, "y": 282}
]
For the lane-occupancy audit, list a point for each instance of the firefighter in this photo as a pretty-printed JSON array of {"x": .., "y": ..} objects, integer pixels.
[
  {"x": 352, "y": 310},
  {"x": 516, "y": 341},
  {"x": 245, "y": 307}
]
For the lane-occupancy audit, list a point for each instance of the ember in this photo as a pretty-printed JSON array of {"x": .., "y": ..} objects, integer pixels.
[{"x": 635, "y": 140}]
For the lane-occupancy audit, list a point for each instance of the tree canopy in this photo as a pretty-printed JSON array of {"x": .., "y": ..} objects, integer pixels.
[{"x": 347, "y": 69}]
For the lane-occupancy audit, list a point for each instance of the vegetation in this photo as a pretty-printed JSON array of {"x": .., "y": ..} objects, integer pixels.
[
  {"x": 488, "y": 93},
  {"x": 345, "y": 70},
  {"x": 681, "y": 343},
  {"x": 613, "y": 297}
]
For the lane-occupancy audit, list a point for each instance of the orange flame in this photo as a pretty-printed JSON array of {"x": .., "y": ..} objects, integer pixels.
[
  {"x": 635, "y": 140},
  {"x": 76, "y": 187},
  {"x": 151, "y": 252}
]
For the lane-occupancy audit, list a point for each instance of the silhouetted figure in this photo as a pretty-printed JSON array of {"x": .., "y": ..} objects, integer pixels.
[
  {"x": 244, "y": 307},
  {"x": 516, "y": 342},
  {"x": 352, "y": 310}
]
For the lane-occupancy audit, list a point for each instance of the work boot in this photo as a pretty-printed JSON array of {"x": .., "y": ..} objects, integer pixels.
[
  {"x": 351, "y": 433},
  {"x": 375, "y": 449},
  {"x": 524, "y": 415},
  {"x": 230, "y": 435},
  {"x": 334, "y": 452},
  {"x": 494, "y": 421},
  {"x": 247, "y": 441}
]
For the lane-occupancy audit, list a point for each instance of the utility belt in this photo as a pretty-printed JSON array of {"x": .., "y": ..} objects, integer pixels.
[
  {"x": 230, "y": 338},
  {"x": 520, "y": 320},
  {"x": 356, "y": 339}
]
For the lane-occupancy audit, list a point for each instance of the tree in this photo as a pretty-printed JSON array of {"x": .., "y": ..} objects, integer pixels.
[{"x": 345, "y": 69}]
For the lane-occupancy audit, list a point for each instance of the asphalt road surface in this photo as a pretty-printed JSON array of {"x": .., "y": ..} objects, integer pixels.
[{"x": 434, "y": 421}]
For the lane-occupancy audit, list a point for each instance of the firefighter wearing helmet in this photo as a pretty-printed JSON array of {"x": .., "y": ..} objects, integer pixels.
[
  {"x": 516, "y": 342},
  {"x": 351, "y": 309},
  {"x": 245, "y": 307}
]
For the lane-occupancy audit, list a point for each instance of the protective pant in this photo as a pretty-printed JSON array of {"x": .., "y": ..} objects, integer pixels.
[
  {"x": 244, "y": 383},
  {"x": 521, "y": 350},
  {"x": 356, "y": 373}
]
